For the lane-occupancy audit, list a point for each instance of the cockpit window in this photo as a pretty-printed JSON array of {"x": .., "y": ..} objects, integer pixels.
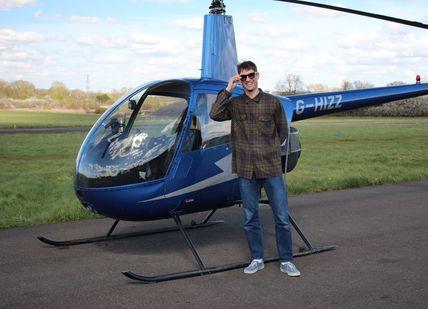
[
  {"x": 212, "y": 132},
  {"x": 135, "y": 143}
]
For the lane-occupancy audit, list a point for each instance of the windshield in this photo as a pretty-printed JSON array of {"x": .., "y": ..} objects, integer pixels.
[{"x": 133, "y": 144}]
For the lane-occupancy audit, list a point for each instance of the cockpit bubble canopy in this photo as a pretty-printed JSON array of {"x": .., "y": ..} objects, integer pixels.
[{"x": 135, "y": 140}]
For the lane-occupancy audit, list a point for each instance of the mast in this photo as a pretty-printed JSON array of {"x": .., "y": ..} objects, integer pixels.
[{"x": 219, "y": 56}]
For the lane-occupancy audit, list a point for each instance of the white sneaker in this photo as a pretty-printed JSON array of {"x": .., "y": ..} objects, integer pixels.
[
  {"x": 254, "y": 266},
  {"x": 290, "y": 269}
]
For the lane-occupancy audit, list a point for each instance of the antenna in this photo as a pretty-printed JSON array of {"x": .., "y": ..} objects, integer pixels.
[
  {"x": 217, "y": 7},
  {"x": 285, "y": 73}
]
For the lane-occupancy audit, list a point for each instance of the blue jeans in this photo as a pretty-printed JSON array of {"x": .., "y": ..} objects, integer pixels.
[{"x": 278, "y": 200}]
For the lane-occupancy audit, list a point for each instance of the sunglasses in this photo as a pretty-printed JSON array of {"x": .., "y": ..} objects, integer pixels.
[{"x": 250, "y": 76}]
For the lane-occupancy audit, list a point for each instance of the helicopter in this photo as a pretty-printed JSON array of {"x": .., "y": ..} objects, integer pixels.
[{"x": 156, "y": 153}]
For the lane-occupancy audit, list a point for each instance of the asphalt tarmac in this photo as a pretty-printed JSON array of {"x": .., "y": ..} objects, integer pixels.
[{"x": 381, "y": 260}]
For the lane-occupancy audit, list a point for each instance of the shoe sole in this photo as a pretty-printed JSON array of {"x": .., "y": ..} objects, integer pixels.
[
  {"x": 291, "y": 274},
  {"x": 253, "y": 271}
]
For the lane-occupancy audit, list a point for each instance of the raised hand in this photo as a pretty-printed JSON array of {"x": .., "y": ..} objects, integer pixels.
[{"x": 233, "y": 82}]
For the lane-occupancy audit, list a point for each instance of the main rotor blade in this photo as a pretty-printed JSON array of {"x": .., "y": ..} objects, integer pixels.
[{"x": 372, "y": 15}]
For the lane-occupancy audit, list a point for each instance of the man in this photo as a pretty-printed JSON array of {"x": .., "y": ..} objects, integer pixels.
[{"x": 259, "y": 127}]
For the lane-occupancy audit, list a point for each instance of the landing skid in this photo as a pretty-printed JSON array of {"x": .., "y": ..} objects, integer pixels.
[
  {"x": 203, "y": 270},
  {"x": 213, "y": 270},
  {"x": 109, "y": 236}
]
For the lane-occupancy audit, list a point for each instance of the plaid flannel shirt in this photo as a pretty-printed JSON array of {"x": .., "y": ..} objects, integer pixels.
[{"x": 259, "y": 126}]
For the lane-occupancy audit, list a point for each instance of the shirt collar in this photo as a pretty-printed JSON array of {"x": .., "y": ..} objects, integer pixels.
[{"x": 256, "y": 99}]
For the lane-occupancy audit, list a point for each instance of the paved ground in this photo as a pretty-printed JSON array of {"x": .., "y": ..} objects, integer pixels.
[{"x": 381, "y": 259}]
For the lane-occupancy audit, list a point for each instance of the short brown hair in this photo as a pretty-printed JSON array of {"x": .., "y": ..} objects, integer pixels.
[{"x": 246, "y": 65}]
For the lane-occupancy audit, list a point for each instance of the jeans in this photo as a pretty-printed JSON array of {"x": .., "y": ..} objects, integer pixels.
[{"x": 278, "y": 200}]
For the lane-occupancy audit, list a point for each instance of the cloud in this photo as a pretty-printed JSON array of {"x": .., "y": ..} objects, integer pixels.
[
  {"x": 152, "y": 45},
  {"x": 316, "y": 12},
  {"x": 194, "y": 23},
  {"x": 166, "y": 61},
  {"x": 84, "y": 19},
  {"x": 362, "y": 40},
  {"x": 355, "y": 56},
  {"x": 105, "y": 42},
  {"x": 17, "y": 55},
  {"x": 385, "y": 47},
  {"x": 155, "y": 51},
  {"x": 10, "y": 35},
  {"x": 168, "y": 1},
  {"x": 258, "y": 17},
  {"x": 39, "y": 14},
  {"x": 10, "y": 4},
  {"x": 15, "y": 65},
  {"x": 76, "y": 19},
  {"x": 145, "y": 39},
  {"x": 113, "y": 21},
  {"x": 292, "y": 43},
  {"x": 192, "y": 43},
  {"x": 111, "y": 58}
]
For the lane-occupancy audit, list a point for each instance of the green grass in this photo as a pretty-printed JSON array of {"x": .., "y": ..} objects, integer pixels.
[
  {"x": 10, "y": 119},
  {"x": 13, "y": 119},
  {"x": 36, "y": 170},
  {"x": 346, "y": 156},
  {"x": 36, "y": 179}
]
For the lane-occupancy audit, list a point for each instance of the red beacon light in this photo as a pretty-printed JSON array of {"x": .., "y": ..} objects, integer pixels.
[{"x": 418, "y": 79}]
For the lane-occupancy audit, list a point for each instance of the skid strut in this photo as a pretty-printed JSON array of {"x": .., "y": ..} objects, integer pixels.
[
  {"x": 203, "y": 270},
  {"x": 109, "y": 236}
]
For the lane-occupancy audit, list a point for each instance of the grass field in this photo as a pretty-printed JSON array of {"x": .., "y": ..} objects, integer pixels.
[
  {"x": 12, "y": 119},
  {"x": 36, "y": 184},
  {"x": 346, "y": 156}
]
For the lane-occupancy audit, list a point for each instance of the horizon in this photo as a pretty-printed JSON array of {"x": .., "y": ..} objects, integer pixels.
[{"x": 47, "y": 41}]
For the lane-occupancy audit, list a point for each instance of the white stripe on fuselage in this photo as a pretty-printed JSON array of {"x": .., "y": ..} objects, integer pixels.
[{"x": 224, "y": 164}]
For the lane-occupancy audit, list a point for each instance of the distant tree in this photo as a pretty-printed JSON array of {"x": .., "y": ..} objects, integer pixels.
[
  {"x": 22, "y": 89},
  {"x": 290, "y": 84},
  {"x": 346, "y": 85},
  {"x": 58, "y": 91},
  {"x": 4, "y": 89},
  {"x": 356, "y": 84},
  {"x": 396, "y": 83},
  {"x": 102, "y": 98},
  {"x": 317, "y": 88}
]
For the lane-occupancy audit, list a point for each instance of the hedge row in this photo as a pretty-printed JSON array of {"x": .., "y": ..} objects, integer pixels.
[{"x": 414, "y": 107}]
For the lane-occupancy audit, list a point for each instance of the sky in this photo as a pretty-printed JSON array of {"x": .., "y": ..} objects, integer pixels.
[{"x": 107, "y": 44}]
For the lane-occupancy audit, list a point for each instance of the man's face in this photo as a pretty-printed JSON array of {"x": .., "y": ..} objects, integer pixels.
[{"x": 249, "y": 79}]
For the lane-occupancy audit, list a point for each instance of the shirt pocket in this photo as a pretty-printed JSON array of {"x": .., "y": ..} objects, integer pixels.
[
  {"x": 240, "y": 120},
  {"x": 266, "y": 125}
]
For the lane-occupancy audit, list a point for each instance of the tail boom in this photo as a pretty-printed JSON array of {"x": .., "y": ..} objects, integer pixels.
[{"x": 313, "y": 105}]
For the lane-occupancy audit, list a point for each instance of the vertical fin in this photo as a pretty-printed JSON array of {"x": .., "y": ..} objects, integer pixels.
[{"x": 219, "y": 56}]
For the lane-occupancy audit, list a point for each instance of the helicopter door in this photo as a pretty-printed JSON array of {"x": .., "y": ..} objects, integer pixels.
[{"x": 204, "y": 167}]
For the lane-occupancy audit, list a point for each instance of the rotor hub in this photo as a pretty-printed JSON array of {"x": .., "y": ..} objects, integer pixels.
[{"x": 217, "y": 7}]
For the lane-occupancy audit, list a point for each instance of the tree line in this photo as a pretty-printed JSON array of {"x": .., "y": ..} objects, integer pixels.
[{"x": 23, "y": 94}]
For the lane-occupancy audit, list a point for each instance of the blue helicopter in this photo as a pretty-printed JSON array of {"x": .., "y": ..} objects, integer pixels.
[{"x": 156, "y": 153}]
